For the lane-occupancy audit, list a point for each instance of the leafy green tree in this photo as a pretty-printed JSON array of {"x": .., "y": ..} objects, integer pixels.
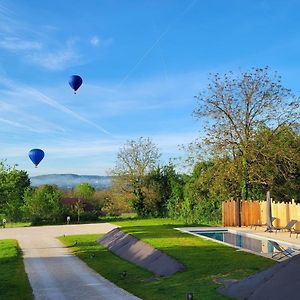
[
  {"x": 120, "y": 198},
  {"x": 163, "y": 190},
  {"x": 85, "y": 191},
  {"x": 42, "y": 204},
  {"x": 205, "y": 189},
  {"x": 134, "y": 161},
  {"x": 235, "y": 107},
  {"x": 13, "y": 183},
  {"x": 275, "y": 162}
]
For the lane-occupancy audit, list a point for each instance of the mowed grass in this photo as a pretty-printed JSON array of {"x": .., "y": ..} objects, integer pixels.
[
  {"x": 16, "y": 224},
  {"x": 14, "y": 283},
  {"x": 205, "y": 261}
]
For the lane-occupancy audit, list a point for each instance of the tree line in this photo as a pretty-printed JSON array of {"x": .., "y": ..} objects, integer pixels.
[
  {"x": 46, "y": 204},
  {"x": 250, "y": 145}
]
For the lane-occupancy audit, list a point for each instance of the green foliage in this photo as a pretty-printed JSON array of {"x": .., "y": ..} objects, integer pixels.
[
  {"x": 162, "y": 187},
  {"x": 118, "y": 200},
  {"x": 13, "y": 183},
  {"x": 84, "y": 190},
  {"x": 14, "y": 283},
  {"x": 135, "y": 160},
  {"x": 275, "y": 162},
  {"x": 236, "y": 108},
  {"x": 89, "y": 205},
  {"x": 202, "y": 197},
  {"x": 42, "y": 204}
]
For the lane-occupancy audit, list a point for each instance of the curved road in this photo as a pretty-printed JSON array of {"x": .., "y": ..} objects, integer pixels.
[{"x": 54, "y": 272}]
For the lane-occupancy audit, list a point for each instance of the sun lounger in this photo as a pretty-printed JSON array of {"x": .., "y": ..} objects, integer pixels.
[
  {"x": 294, "y": 231},
  {"x": 288, "y": 226},
  {"x": 281, "y": 252},
  {"x": 261, "y": 225}
]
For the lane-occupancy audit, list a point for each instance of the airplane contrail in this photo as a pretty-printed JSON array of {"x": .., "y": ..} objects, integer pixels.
[
  {"x": 149, "y": 50},
  {"x": 41, "y": 97}
]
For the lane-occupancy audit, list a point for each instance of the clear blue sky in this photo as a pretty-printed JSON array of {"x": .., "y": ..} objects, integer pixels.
[{"x": 142, "y": 63}]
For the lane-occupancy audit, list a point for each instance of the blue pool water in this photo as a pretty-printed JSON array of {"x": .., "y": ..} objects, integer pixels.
[{"x": 238, "y": 240}]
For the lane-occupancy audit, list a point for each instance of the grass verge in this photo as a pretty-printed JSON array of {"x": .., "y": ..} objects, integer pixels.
[
  {"x": 17, "y": 224},
  {"x": 205, "y": 261},
  {"x": 14, "y": 282}
]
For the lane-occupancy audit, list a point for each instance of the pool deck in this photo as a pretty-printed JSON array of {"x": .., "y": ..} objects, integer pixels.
[{"x": 280, "y": 236}]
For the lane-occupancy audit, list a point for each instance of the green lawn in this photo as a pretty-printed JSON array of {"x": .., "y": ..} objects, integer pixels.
[
  {"x": 16, "y": 224},
  {"x": 204, "y": 260},
  {"x": 14, "y": 283}
]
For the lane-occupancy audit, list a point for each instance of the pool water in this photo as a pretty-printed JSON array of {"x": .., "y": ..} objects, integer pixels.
[{"x": 259, "y": 246}]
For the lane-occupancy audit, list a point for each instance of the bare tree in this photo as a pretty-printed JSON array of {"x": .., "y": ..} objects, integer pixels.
[
  {"x": 235, "y": 107},
  {"x": 134, "y": 161}
]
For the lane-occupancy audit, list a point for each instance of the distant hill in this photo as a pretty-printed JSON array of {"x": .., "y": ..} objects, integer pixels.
[{"x": 69, "y": 181}]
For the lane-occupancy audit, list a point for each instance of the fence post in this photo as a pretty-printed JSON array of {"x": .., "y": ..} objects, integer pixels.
[
  {"x": 269, "y": 212},
  {"x": 238, "y": 212},
  {"x": 223, "y": 213}
]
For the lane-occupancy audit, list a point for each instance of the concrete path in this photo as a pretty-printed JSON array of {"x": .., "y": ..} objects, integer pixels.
[{"x": 54, "y": 273}]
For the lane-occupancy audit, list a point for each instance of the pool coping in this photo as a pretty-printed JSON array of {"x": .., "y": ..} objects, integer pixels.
[{"x": 189, "y": 230}]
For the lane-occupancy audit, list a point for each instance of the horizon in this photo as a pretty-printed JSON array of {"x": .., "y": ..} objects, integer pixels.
[
  {"x": 141, "y": 63},
  {"x": 55, "y": 174}
]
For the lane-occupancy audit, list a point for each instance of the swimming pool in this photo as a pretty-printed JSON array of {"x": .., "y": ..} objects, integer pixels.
[{"x": 251, "y": 243}]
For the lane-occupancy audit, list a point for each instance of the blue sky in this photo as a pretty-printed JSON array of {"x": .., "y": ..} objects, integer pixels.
[{"x": 142, "y": 63}]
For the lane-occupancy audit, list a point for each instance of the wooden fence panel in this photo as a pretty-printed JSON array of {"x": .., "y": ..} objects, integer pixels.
[
  {"x": 255, "y": 217},
  {"x": 244, "y": 213},
  {"x": 254, "y": 212},
  {"x": 230, "y": 213},
  {"x": 263, "y": 212}
]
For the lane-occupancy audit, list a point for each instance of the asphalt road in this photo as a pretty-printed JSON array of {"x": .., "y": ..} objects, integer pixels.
[{"x": 54, "y": 273}]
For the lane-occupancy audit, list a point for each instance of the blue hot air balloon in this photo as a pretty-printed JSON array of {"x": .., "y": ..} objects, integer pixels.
[
  {"x": 75, "y": 82},
  {"x": 36, "y": 155}
]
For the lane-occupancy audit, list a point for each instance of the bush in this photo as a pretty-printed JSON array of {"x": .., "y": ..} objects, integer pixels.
[{"x": 42, "y": 204}]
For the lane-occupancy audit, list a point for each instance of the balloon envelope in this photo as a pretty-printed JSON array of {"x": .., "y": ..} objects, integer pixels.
[
  {"x": 75, "y": 82},
  {"x": 36, "y": 155}
]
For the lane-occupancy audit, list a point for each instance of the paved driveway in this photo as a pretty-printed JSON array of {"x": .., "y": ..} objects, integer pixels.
[{"x": 54, "y": 273}]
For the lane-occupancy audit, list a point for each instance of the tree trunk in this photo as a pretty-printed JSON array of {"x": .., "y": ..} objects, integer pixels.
[{"x": 245, "y": 179}]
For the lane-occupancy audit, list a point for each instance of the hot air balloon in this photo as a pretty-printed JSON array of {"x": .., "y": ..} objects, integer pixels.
[
  {"x": 75, "y": 82},
  {"x": 36, "y": 155}
]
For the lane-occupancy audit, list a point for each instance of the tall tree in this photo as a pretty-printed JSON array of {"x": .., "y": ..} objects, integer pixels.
[
  {"x": 42, "y": 204},
  {"x": 13, "y": 183},
  {"x": 236, "y": 106},
  {"x": 163, "y": 189},
  {"x": 275, "y": 161},
  {"x": 134, "y": 161}
]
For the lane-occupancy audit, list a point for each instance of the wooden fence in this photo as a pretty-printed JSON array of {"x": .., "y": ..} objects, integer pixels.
[{"x": 245, "y": 213}]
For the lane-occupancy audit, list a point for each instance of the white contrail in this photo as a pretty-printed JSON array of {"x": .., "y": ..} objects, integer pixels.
[
  {"x": 51, "y": 102},
  {"x": 39, "y": 96},
  {"x": 19, "y": 125},
  {"x": 149, "y": 50}
]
